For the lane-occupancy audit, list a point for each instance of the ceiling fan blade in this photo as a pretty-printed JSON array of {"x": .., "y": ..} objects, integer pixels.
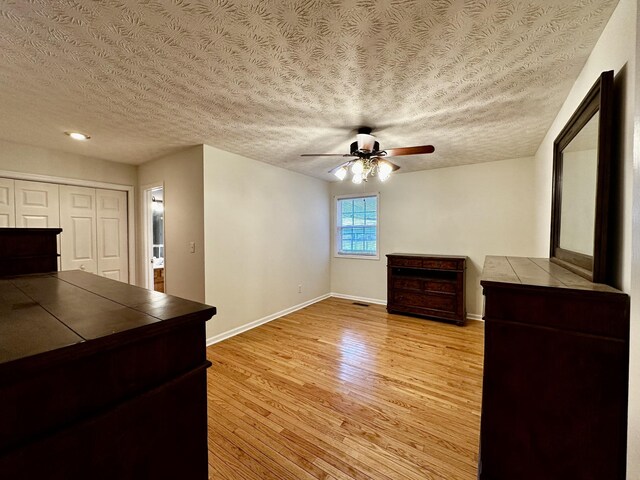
[
  {"x": 327, "y": 155},
  {"x": 338, "y": 167},
  {"x": 393, "y": 165},
  {"x": 396, "y": 152}
]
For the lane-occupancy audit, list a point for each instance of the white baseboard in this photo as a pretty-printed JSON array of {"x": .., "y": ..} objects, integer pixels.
[
  {"x": 358, "y": 299},
  {"x": 263, "y": 320}
]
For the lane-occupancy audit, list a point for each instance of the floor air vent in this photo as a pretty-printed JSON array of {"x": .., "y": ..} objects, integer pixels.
[{"x": 360, "y": 304}]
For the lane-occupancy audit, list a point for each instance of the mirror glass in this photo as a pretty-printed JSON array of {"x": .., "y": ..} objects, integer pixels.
[{"x": 579, "y": 180}]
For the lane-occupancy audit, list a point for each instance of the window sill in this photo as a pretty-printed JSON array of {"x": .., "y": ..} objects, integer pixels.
[{"x": 358, "y": 257}]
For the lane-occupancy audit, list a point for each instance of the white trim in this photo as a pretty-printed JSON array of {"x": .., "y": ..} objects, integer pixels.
[
  {"x": 358, "y": 299},
  {"x": 261, "y": 321},
  {"x": 147, "y": 238},
  {"x": 147, "y": 271},
  {"x": 357, "y": 257},
  {"x": 356, "y": 195},
  {"x": 63, "y": 180},
  {"x": 256, "y": 323},
  {"x": 130, "y": 189}
]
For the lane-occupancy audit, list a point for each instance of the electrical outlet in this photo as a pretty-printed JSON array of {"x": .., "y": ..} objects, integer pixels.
[
  {"x": 300, "y": 288},
  {"x": 192, "y": 247}
]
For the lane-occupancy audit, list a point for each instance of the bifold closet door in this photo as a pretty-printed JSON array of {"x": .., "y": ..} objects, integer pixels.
[
  {"x": 94, "y": 222},
  {"x": 113, "y": 253},
  {"x": 37, "y": 204},
  {"x": 78, "y": 222},
  {"x": 7, "y": 204}
]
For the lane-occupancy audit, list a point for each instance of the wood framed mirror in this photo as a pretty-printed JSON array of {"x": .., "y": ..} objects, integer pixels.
[{"x": 582, "y": 156}]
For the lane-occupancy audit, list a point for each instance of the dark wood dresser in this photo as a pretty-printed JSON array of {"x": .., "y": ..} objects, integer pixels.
[
  {"x": 101, "y": 380},
  {"x": 28, "y": 250},
  {"x": 431, "y": 286},
  {"x": 554, "y": 400}
]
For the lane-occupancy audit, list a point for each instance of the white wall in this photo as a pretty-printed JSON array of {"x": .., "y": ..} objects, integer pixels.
[
  {"x": 181, "y": 175},
  {"x": 633, "y": 446},
  {"x": 472, "y": 210},
  {"x": 266, "y": 232},
  {"x": 616, "y": 50},
  {"x": 41, "y": 164},
  {"x": 17, "y": 157}
]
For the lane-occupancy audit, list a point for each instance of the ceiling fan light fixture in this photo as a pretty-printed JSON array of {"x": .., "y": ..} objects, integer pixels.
[
  {"x": 367, "y": 158},
  {"x": 384, "y": 169},
  {"x": 366, "y": 142},
  {"x": 341, "y": 173}
]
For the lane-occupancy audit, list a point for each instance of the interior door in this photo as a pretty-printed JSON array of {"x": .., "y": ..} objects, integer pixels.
[
  {"x": 78, "y": 222},
  {"x": 7, "y": 203},
  {"x": 37, "y": 204},
  {"x": 113, "y": 254}
]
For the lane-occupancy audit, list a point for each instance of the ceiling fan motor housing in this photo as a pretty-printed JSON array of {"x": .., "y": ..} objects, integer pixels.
[{"x": 364, "y": 145}]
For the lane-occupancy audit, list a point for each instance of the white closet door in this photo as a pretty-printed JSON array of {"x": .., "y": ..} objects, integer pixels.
[
  {"x": 36, "y": 204},
  {"x": 113, "y": 255},
  {"x": 78, "y": 222},
  {"x": 7, "y": 204}
]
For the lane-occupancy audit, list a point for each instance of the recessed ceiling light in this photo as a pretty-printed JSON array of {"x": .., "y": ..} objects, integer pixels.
[{"x": 78, "y": 135}]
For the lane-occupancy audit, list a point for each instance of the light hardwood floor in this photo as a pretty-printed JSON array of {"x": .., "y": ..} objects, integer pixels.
[{"x": 340, "y": 391}]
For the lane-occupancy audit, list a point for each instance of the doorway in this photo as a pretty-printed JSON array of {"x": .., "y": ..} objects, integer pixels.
[{"x": 155, "y": 239}]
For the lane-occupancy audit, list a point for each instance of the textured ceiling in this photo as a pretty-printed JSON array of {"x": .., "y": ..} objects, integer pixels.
[{"x": 480, "y": 80}]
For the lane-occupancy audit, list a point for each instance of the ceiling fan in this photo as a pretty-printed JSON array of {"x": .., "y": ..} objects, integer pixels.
[{"x": 367, "y": 159}]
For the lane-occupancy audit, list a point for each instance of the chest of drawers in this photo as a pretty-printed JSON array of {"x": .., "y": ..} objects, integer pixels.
[
  {"x": 28, "y": 250},
  {"x": 556, "y": 360},
  {"x": 431, "y": 286},
  {"x": 101, "y": 380}
]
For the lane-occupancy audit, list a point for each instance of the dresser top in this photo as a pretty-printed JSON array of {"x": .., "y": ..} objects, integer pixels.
[
  {"x": 46, "y": 312},
  {"x": 535, "y": 272},
  {"x": 426, "y": 255},
  {"x": 22, "y": 231}
]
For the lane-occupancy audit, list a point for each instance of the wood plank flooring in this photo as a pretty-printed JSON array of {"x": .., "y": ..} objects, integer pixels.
[{"x": 339, "y": 391}]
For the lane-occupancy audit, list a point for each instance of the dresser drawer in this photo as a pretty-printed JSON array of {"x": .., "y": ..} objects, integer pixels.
[
  {"x": 432, "y": 263},
  {"x": 408, "y": 283},
  {"x": 405, "y": 262},
  {"x": 439, "y": 264},
  {"x": 436, "y": 301},
  {"x": 424, "y": 284},
  {"x": 440, "y": 286},
  {"x": 430, "y": 313}
]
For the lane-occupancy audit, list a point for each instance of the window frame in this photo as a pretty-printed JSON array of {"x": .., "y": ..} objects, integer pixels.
[{"x": 336, "y": 233}]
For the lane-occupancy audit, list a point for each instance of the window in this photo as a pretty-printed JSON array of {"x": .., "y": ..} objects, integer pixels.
[{"x": 357, "y": 226}]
